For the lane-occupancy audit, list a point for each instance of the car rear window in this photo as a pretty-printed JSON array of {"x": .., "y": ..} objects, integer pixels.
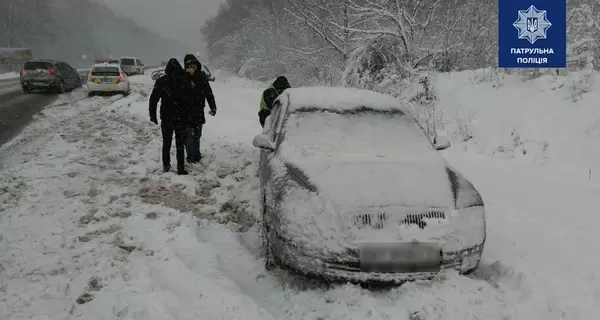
[
  {"x": 37, "y": 65},
  {"x": 128, "y": 62},
  {"x": 105, "y": 71}
]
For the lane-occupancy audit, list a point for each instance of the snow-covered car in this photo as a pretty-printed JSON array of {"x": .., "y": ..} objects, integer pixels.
[
  {"x": 352, "y": 189},
  {"x": 107, "y": 78},
  {"x": 157, "y": 74}
]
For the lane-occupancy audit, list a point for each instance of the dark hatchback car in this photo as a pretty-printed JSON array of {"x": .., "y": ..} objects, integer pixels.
[{"x": 49, "y": 75}]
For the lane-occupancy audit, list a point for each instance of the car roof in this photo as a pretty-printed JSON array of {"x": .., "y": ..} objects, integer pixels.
[
  {"x": 128, "y": 57},
  {"x": 43, "y": 60},
  {"x": 341, "y": 99}
]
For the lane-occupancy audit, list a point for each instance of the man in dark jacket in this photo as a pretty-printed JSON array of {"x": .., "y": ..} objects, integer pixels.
[
  {"x": 174, "y": 90},
  {"x": 202, "y": 92},
  {"x": 268, "y": 98}
]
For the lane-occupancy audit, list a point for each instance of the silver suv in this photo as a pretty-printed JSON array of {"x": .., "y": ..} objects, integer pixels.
[{"x": 132, "y": 66}]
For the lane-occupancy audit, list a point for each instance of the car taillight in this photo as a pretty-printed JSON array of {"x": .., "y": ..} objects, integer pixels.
[
  {"x": 51, "y": 72},
  {"x": 89, "y": 76},
  {"x": 122, "y": 76},
  {"x": 22, "y": 72}
]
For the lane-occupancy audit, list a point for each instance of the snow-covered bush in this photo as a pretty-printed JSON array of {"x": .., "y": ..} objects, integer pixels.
[
  {"x": 372, "y": 63},
  {"x": 580, "y": 82},
  {"x": 494, "y": 76}
]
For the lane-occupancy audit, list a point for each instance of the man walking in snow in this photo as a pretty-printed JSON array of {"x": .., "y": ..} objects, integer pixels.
[
  {"x": 268, "y": 98},
  {"x": 173, "y": 90},
  {"x": 202, "y": 92}
]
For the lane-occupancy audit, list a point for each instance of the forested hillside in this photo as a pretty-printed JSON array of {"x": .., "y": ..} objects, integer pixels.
[
  {"x": 67, "y": 29},
  {"x": 372, "y": 43}
]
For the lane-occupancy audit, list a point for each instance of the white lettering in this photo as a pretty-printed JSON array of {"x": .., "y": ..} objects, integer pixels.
[
  {"x": 530, "y": 51},
  {"x": 532, "y": 60}
]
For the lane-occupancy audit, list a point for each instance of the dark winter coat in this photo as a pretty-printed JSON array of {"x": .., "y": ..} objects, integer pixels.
[
  {"x": 202, "y": 91},
  {"x": 174, "y": 90}
]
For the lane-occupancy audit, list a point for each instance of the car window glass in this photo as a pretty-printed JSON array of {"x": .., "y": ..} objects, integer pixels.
[
  {"x": 127, "y": 62},
  {"x": 332, "y": 133},
  {"x": 37, "y": 65}
]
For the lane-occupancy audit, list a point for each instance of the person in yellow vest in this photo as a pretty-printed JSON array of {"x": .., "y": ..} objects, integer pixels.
[{"x": 268, "y": 98}]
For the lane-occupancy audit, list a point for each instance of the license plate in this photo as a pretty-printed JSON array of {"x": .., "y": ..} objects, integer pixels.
[
  {"x": 106, "y": 80},
  {"x": 401, "y": 257}
]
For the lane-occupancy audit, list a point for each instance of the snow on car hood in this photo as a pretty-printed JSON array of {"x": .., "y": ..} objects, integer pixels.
[
  {"x": 366, "y": 182},
  {"x": 352, "y": 185}
]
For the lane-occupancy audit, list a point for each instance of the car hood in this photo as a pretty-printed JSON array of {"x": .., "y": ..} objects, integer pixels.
[{"x": 368, "y": 182}]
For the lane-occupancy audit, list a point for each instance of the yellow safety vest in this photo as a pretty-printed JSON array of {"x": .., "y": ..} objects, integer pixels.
[{"x": 263, "y": 104}]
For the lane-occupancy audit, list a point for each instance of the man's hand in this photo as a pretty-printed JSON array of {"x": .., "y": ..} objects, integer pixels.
[
  {"x": 212, "y": 112},
  {"x": 154, "y": 120}
]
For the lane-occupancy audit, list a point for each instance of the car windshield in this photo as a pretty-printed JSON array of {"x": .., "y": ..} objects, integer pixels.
[
  {"x": 128, "y": 62},
  {"x": 368, "y": 133},
  {"x": 37, "y": 65},
  {"x": 105, "y": 71}
]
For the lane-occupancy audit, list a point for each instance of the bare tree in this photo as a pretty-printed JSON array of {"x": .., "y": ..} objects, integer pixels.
[
  {"x": 329, "y": 20},
  {"x": 405, "y": 20}
]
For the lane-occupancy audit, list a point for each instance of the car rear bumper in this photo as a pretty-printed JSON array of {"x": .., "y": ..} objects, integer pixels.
[
  {"x": 109, "y": 87},
  {"x": 129, "y": 70},
  {"x": 39, "y": 83},
  {"x": 293, "y": 258}
]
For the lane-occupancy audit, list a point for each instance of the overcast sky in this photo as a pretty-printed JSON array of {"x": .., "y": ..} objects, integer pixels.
[{"x": 178, "y": 19}]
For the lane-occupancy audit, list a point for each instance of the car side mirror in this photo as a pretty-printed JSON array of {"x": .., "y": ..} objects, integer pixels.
[
  {"x": 262, "y": 141},
  {"x": 441, "y": 143}
]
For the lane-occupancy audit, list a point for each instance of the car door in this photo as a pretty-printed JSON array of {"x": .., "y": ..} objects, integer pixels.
[
  {"x": 63, "y": 73},
  {"x": 74, "y": 75},
  {"x": 139, "y": 65},
  {"x": 67, "y": 74},
  {"x": 266, "y": 156}
]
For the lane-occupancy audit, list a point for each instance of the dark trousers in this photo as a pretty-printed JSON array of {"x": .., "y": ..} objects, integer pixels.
[
  {"x": 168, "y": 127},
  {"x": 192, "y": 143},
  {"x": 262, "y": 116}
]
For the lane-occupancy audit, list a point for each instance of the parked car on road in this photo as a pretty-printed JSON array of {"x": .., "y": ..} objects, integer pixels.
[
  {"x": 352, "y": 189},
  {"x": 49, "y": 75},
  {"x": 107, "y": 78},
  {"x": 132, "y": 66}
]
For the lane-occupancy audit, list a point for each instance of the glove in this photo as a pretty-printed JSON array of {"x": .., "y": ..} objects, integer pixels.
[
  {"x": 213, "y": 112},
  {"x": 154, "y": 120}
]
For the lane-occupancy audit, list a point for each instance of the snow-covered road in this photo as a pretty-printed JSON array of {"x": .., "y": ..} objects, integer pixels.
[{"x": 90, "y": 228}]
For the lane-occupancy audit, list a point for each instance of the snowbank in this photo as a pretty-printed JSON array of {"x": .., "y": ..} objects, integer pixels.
[
  {"x": 9, "y": 75},
  {"x": 551, "y": 120}
]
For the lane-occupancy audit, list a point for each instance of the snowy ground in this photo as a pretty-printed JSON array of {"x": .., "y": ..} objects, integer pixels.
[
  {"x": 9, "y": 75},
  {"x": 552, "y": 121},
  {"x": 91, "y": 229}
]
